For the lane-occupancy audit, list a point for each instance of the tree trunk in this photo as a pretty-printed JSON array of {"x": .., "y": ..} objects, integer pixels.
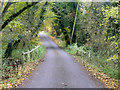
[
  {"x": 67, "y": 39},
  {"x": 74, "y": 23},
  {"x": 11, "y": 46},
  {"x": 9, "y": 49}
]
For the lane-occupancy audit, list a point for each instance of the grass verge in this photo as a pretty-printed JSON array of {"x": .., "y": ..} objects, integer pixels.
[{"x": 19, "y": 74}]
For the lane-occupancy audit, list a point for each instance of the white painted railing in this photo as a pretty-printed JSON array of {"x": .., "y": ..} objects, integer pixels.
[{"x": 28, "y": 54}]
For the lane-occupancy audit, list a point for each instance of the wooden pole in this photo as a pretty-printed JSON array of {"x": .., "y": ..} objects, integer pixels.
[
  {"x": 28, "y": 57},
  {"x": 23, "y": 57},
  {"x": 89, "y": 54}
]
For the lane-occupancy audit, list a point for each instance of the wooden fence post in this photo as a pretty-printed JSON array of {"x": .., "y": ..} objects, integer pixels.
[
  {"x": 28, "y": 56},
  {"x": 23, "y": 57},
  {"x": 82, "y": 53},
  {"x": 89, "y": 54},
  {"x": 77, "y": 50}
]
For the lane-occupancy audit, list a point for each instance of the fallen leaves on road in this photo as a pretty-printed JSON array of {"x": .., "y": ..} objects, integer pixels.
[
  {"x": 23, "y": 72},
  {"x": 108, "y": 81}
]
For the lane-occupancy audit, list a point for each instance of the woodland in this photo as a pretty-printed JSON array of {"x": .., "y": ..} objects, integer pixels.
[{"x": 89, "y": 30}]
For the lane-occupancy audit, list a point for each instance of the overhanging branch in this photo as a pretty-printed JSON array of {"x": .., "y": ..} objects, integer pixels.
[{"x": 16, "y": 14}]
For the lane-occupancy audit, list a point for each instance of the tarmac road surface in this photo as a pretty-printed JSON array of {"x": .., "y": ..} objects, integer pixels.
[{"x": 59, "y": 70}]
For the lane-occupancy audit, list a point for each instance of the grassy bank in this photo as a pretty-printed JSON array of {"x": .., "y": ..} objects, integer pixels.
[{"x": 15, "y": 72}]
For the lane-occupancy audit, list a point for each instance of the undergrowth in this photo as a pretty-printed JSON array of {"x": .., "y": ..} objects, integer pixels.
[
  {"x": 15, "y": 69},
  {"x": 96, "y": 63},
  {"x": 95, "y": 60}
]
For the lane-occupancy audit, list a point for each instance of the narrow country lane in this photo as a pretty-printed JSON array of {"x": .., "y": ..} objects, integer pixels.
[{"x": 59, "y": 70}]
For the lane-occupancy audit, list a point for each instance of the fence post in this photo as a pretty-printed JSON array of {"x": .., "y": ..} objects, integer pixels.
[
  {"x": 82, "y": 53},
  {"x": 23, "y": 57},
  {"x": 32, "y": 55},
  {"x": 35, "y": 53},
  {"x": 89, "y": 54},
  {"x": 77, "y": 50},
  {"x": 28, "y": 58}
]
